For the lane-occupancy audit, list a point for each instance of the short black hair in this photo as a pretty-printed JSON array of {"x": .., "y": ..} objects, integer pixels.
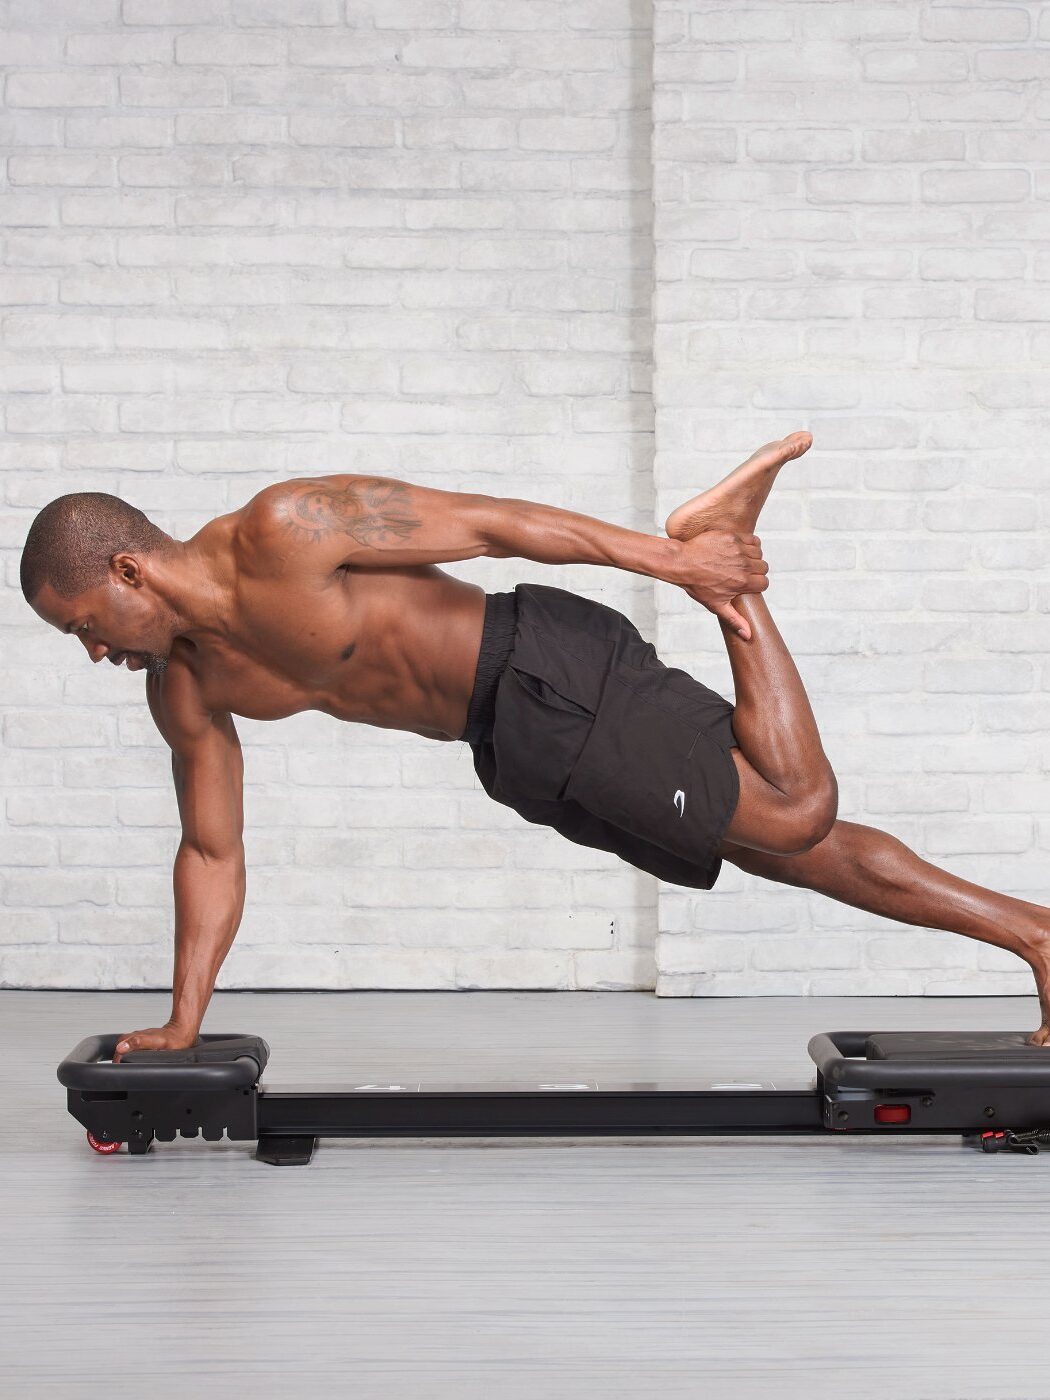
[{"x": 73, "y": 538}]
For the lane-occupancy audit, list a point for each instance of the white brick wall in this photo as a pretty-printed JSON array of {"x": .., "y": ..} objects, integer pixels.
[
  {"x": 850, "y": 229},
  {"x": 249, "y": 239}
]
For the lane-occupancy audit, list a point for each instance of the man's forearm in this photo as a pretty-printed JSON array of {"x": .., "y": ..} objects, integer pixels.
[
  {"x": 209, "y": 902},
  {"x": 530, "y": 530}
]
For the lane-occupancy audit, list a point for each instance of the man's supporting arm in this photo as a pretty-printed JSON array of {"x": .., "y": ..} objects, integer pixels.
[
  {"x": 209, "y": 902},
  {"x": 209, "y": 873},
  {"x": 209, "y": 876}
]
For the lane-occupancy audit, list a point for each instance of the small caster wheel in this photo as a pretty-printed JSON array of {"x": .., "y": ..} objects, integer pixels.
[{"x": 104, "y": 1147}]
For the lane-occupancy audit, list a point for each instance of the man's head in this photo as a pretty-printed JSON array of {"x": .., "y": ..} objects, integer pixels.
[{"x": 89, "y": 566}]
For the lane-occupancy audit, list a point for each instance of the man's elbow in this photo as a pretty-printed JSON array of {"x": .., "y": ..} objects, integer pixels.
[
  {"x": 230, "y": 853},
  {"x": 496, "y": 523}
]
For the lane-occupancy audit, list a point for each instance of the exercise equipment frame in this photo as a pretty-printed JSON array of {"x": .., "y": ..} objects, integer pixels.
[{"x": 990, "y": 1086}]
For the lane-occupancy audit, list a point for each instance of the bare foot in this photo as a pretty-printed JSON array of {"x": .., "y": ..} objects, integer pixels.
[
  {"x": 1037, "y": 956},
  {"x": 1031, "y": 942},
  {"x": 734, "y": 504}
]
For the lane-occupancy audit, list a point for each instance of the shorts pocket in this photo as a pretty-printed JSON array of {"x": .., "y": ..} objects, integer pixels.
[
  {"x": 655, "y": 774},
  {"x": 547, "y": 694},
  {"x": 537, "y": 736}
]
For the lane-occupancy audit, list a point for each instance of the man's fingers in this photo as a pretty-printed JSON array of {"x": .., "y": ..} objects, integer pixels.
[
  {"x": 729, "y": 615},
  {"x": 136, "y": 1041},
  {"x": 754, "y": 581}
]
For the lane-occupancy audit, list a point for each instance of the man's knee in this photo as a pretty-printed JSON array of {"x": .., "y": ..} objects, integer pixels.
[
  {"x": 784, "y": 823},
  {"x": 812, "y": 815}
]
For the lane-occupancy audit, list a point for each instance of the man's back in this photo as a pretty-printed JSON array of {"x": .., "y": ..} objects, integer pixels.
[{"x": 299, "y": 628}]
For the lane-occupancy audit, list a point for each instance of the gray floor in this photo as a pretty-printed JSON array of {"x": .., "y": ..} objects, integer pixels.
[{"x": 638, "y": 1268}]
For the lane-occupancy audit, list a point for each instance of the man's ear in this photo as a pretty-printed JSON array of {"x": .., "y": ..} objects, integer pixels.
[{"x": 128, "y": 569}]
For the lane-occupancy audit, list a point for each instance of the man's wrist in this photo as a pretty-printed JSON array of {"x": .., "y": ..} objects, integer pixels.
[
  {"x": 656, "y": 556},
  {"x": 667, "y": 559},
  {"x": 185, "y": 1021}
]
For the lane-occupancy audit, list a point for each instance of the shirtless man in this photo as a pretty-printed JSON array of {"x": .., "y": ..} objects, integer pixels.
[{"x": 323, "y": 594}]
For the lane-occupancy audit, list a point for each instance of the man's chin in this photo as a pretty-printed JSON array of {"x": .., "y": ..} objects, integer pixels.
[{"x": 155, "y": 665}]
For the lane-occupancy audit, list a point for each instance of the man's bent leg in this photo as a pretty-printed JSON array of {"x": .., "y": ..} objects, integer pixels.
[
  {"x": 869, "y": 869},
  {"x": 788, "y": 793}
]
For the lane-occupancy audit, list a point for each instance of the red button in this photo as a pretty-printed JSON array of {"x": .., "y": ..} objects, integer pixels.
[{"x": 892, "y": 1113}]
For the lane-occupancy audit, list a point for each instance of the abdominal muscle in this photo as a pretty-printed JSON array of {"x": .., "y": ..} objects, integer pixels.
[
  {"x": 420, "y": 638},
  {"x": 394, "y": 648}
]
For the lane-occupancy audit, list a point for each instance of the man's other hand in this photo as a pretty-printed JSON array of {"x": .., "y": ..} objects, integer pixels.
[
  {"x": 716, "y": 566},
  {"x": 169, "y": 1037}
]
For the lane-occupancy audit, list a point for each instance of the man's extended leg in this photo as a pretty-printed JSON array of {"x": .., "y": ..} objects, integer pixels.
[
  {"x": 858, "y": 865},
  {"x": 872, "y": 870},
  {"x": 784, "y": 828}
]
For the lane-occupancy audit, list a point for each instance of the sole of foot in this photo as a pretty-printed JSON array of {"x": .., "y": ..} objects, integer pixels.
[{"x": 735, "y": 502}]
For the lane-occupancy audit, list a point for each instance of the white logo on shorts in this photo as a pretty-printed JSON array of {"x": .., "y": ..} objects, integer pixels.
[{"x": 679, "y": 802}]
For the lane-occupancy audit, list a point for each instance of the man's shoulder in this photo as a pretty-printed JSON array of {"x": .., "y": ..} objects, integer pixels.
[
  {"x": 292, "y": 511},
  {"x": 264, "y": 525},
  {"x": 265, "y": 509},
  {"x": 314, "y": 525}
]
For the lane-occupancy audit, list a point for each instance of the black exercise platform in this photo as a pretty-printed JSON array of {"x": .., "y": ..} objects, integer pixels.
[{"x": 990, "y": 1086}]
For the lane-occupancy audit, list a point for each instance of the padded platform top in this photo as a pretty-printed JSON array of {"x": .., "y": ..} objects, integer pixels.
[
  {"x": 951, "y": 1045},
  {"x": 216, "y": 1062}
]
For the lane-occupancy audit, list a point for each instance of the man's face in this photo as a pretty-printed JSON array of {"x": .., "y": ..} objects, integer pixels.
[{"x": 121, "y": 621}]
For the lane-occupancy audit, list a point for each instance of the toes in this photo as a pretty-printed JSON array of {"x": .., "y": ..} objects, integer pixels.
[
  {"x": 785, "y": 449},
  {"x": 798, "y": 442}
]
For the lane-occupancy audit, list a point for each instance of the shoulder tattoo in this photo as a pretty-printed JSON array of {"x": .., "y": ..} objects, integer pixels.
[{"x": 372, "y": 512}]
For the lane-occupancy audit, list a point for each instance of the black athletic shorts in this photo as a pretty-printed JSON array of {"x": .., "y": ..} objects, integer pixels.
[{"x": 576, "y": 723}]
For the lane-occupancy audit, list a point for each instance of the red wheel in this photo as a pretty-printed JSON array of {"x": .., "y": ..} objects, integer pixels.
[{"x": 104, "y": 1147}]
